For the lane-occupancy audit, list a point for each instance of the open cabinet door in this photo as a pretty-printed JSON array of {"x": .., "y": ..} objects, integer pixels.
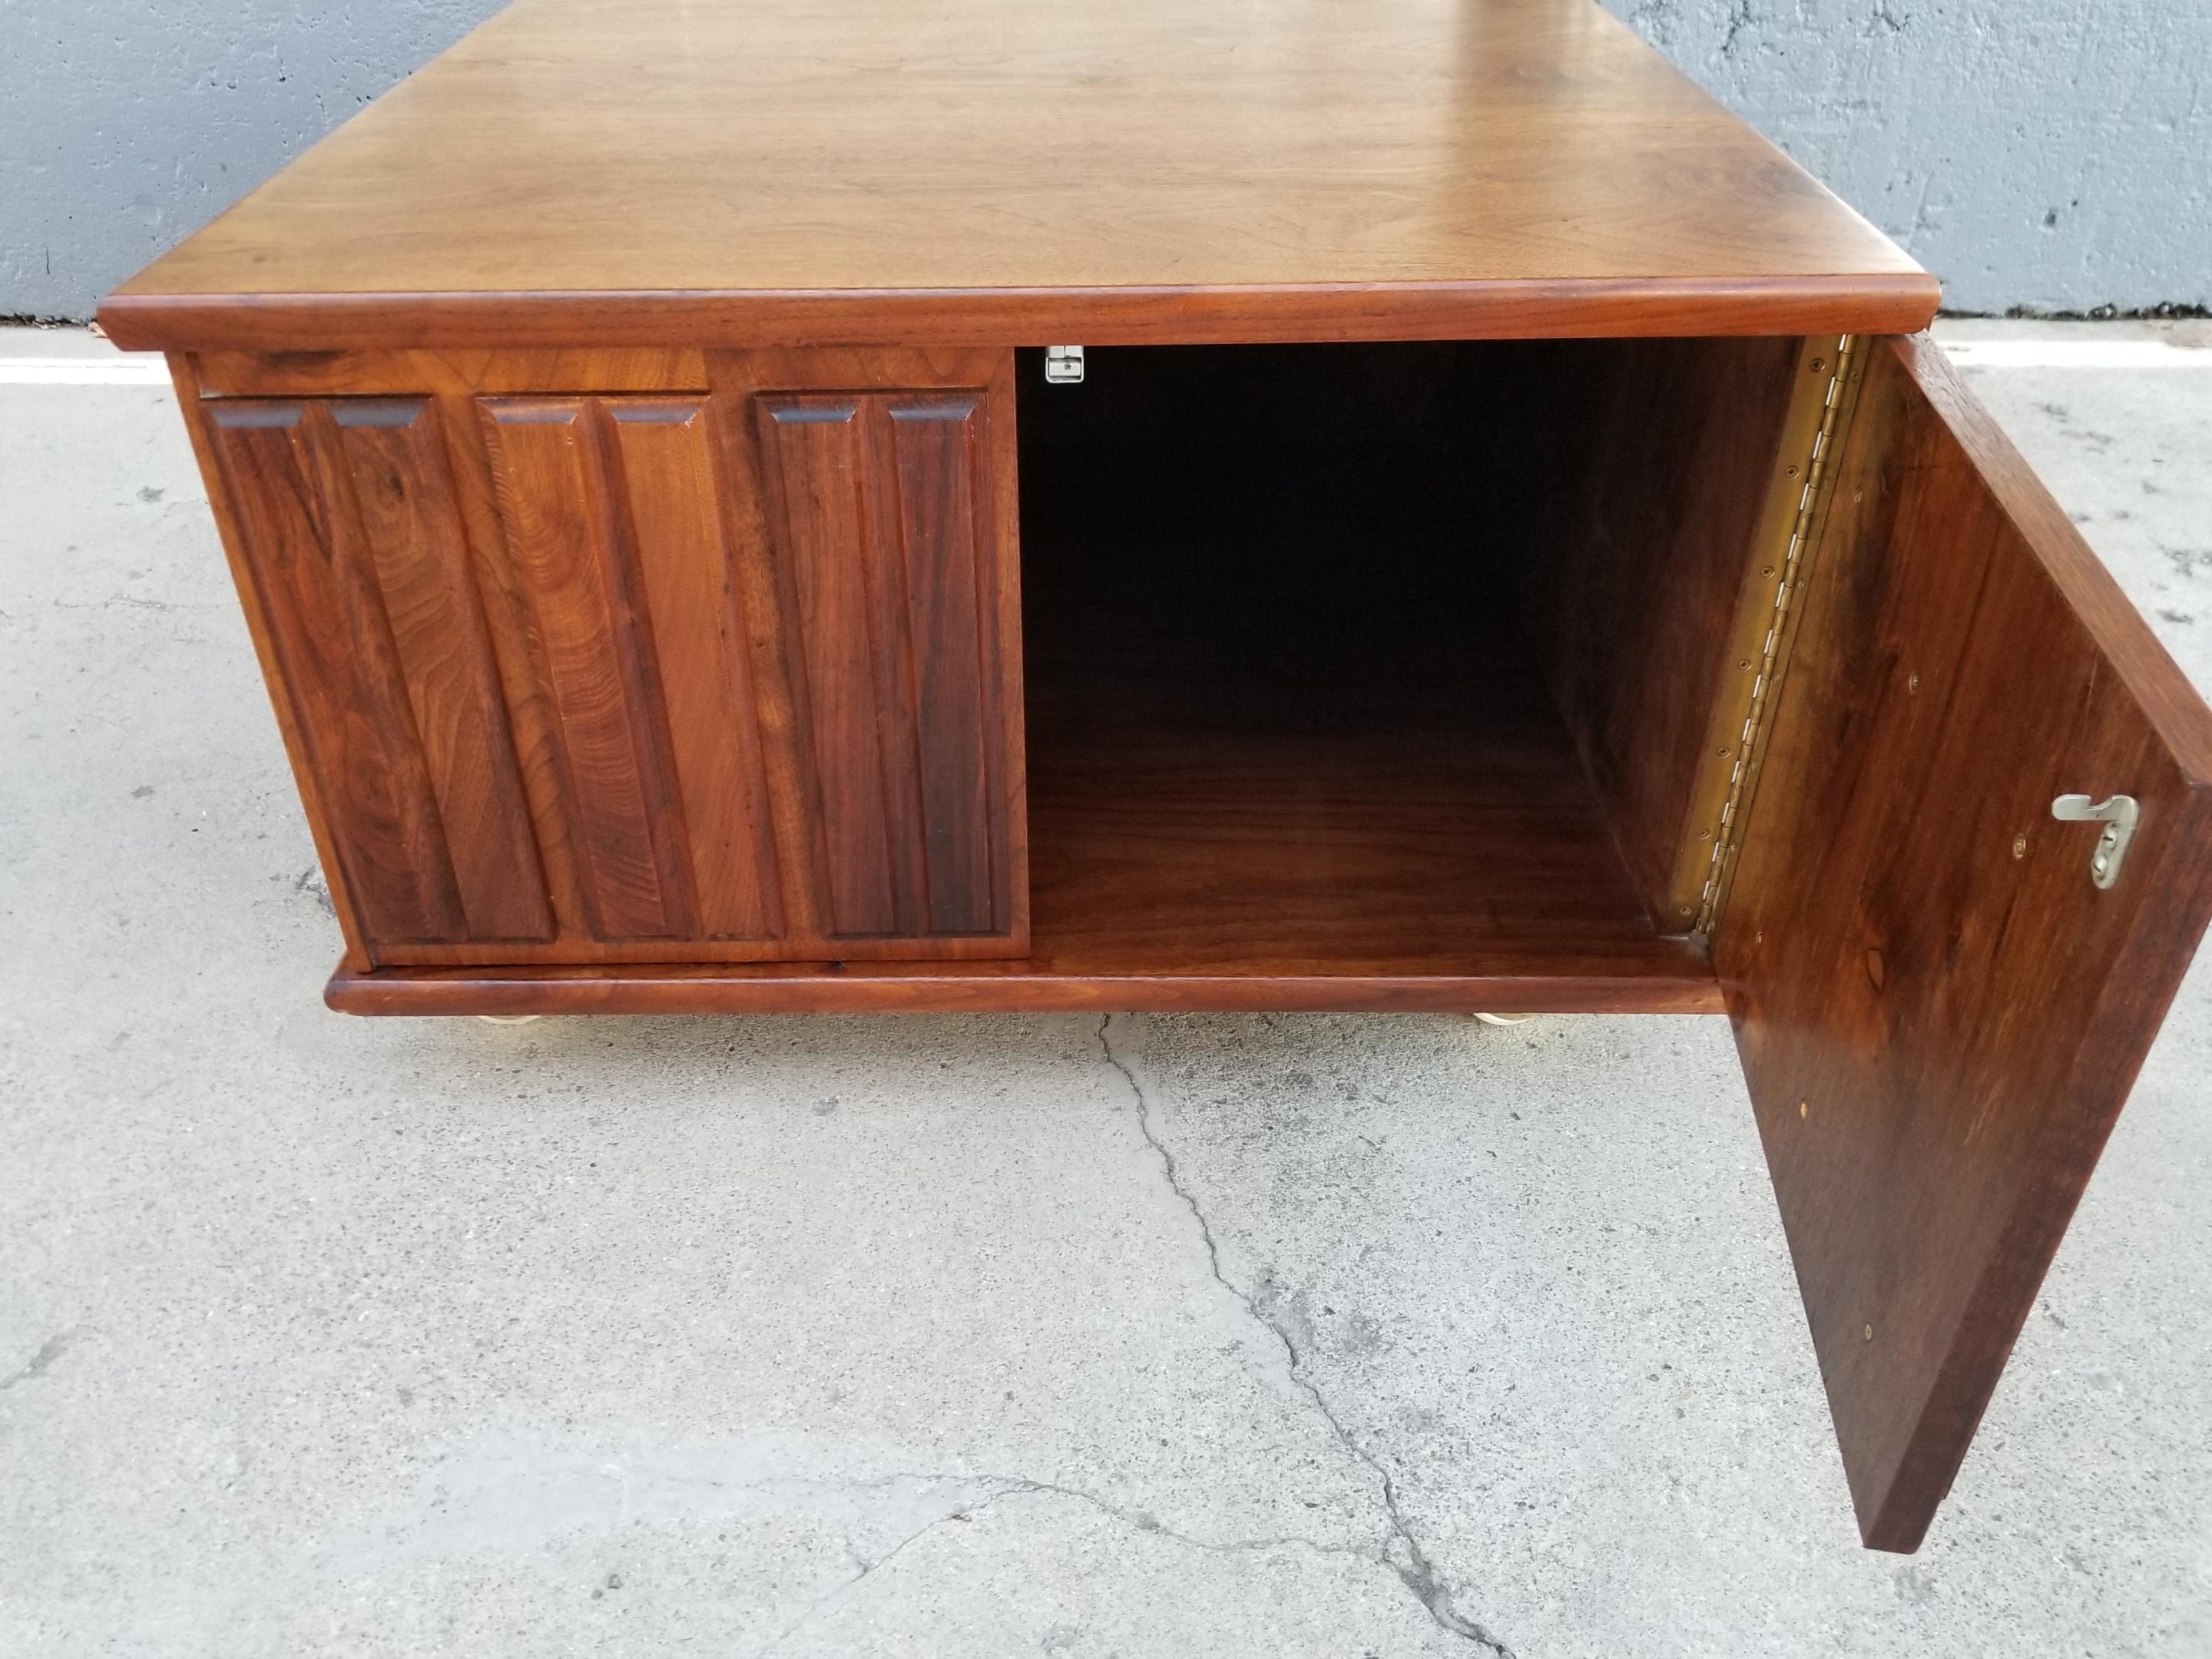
[{"x": 1939, "y": 1009}]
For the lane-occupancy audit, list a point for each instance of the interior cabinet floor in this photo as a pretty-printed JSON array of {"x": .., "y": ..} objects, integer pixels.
[{"x": 1243, "y": 840}]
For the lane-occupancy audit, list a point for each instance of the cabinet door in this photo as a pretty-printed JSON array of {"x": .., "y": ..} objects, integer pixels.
[
  {"x": 1939, "y": 1008},
  {"x": 726, "y": 674}
]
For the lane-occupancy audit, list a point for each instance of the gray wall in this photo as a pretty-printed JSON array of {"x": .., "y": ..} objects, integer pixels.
[
  {"x": 126, "y": 124},
  {"x": 2046, "y": 155},
  {"x": 2050, "y": 154}
]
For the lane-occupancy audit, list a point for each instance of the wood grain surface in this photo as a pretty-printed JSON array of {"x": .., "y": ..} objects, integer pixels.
[
  {"x": 348, "y": 536},
  {"x": 877, "y": 491},
  {"x": 1940, "y": 1015},
  {"x": 455, "y": 371},
  {"x": 566, "y": 510},
  {"x": 1650, "y": 461},
  {"x": 1678, "y": 980},
  {"x": 663, "y": 449},
  {"x": 869, "y": 171},
  {"x": 594, "y": 677}
]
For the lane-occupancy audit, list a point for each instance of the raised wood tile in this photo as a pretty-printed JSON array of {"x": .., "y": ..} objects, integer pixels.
[
  {"x": 566, "y": 540},
  {"x": 339, "y": 665},
  {"x": 872, "y": 493},
  {"x": 672, "y": 502},
  {"x": 937, "y": 533},
  {"x": 402, "y": 495},
  {"x": 344, "y": 510},
  {"x": 866, "y": 837}
]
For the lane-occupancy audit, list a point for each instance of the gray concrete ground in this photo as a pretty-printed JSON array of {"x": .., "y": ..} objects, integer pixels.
[{"x": 950, "y": 1335}]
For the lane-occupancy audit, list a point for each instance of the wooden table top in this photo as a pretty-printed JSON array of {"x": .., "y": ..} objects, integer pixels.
[{"x": 818, "y": 171}]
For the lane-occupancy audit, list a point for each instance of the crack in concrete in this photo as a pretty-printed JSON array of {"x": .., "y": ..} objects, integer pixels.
[
  {"x": 838, "y": 1592},
  {"x": 1008, "y": 1486},
  {"x": 1143, "y": 1522},
  {"x": 997, "y": 1488},
  {"x": 1403, "y": 1553}
]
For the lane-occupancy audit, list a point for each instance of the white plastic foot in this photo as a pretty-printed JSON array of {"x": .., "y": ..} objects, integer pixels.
[
  {"x": 1505, "y": 1019},
  {"x": 508, "y": 1019}
]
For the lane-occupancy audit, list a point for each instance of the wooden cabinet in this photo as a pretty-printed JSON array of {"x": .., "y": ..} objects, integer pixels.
[
  {"x": 1510, "y": 554},
  {"x": 716, "y": 675}
]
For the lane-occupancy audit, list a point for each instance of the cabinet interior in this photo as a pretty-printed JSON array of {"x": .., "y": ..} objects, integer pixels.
[{"x": 1320, "y": 677}]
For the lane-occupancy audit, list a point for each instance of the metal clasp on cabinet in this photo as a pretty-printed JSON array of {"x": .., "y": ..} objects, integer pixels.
[
  {"x": 2119, "y": 816},
  {"x": 1063, "y": 365}
]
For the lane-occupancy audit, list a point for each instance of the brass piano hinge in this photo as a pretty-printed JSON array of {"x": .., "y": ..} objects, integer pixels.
[{"x": 1782, "y": 561}]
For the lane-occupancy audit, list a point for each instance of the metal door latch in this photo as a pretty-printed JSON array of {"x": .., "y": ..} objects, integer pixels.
[
  {"x": 1063, "y": 365},
  {"x": 2119, "y": 816}
]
